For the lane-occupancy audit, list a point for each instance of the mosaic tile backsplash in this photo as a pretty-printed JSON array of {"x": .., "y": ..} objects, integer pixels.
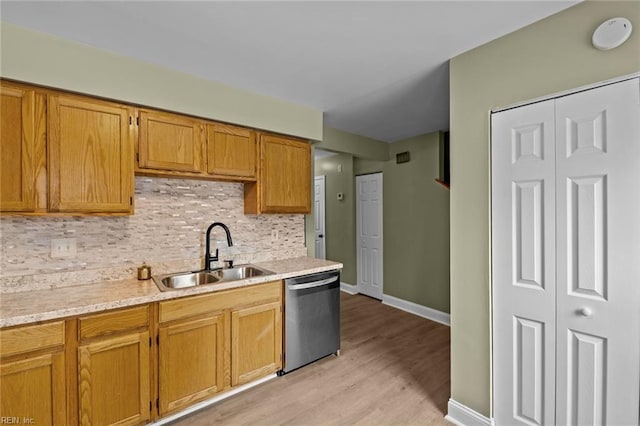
[{"x": 166, "y": 231}]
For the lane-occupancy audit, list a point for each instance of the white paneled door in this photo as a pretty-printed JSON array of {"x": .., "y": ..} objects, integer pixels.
[
  {"x": 369, "y": 234},
  {"x": 524, "y": 279},
  {"x": 598, "y": 216},
  {"x": 566, "y": 250},
  {"x": 319, "y": 217}
]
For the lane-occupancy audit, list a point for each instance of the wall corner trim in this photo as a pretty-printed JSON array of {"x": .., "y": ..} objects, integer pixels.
[
  {"x": 416, "y": 309},
  {"x": 349, "y": 288},
  {"x": 461, "y": 415}
]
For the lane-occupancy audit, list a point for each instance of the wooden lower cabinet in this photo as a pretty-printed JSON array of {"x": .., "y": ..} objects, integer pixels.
[
  {"x": 113, "y": 376},
  {"x": 32, "y": 374},
  {"x": 256, "y": 336},
  {"x": 215, "y": 341},
  {"x": 107, "y": 369},
  {"x": 191, "y": 361},
  {"x": 34, "y": 389},
  {"x": 113, "y": 368}
]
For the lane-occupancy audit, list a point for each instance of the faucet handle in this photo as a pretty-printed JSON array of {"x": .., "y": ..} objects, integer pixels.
[{"x": 228, "y": 263}]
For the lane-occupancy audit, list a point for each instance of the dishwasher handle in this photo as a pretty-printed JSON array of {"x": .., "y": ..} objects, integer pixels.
[{"x": 312, "y": 284}]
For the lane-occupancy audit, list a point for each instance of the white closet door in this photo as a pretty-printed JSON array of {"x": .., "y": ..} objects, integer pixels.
[
  {"x": 523, "y": 198},
  {"x": 598, "y": 224},
  {"x": 369, "y": 236}
]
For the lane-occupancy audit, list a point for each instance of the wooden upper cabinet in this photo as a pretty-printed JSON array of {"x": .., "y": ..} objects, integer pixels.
[
  {"x": 170, "y": 142},
  {"x": 231, "y": 151},
  {"x": 284, "y": 177},
  {"x": 90, "y": 155},
  {"x": 17, "y": 149}
]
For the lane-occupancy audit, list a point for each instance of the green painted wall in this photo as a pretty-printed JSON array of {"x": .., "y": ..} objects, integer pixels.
[
  {"x": 50, "y": 61},
  {"x": 551, "y": 55},
  {"x": 415, "y": 216},
  {"x": 353, "y": 145},
  {"x": 339, "y": 215},
  {"x": 359, "y": 146},
  {"x": 362, "y": 166},
  {"x": 416, "y": 225}
]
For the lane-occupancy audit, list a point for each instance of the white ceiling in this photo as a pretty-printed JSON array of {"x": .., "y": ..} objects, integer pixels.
[{"x": 377, "y": 69}]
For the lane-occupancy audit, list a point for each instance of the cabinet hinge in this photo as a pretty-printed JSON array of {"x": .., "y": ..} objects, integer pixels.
[
  {"x": 158, "y": 403},
  {"x": 130, "y": 120},
  {"x": 150, "y": 341},
  {"x": 158, "y": 339},
  {"x": 137, "y": 121},
  {"x": 150, "y": 406},
  {"x": 130, "y": 201},
  {"x": 138, "y": 157}
]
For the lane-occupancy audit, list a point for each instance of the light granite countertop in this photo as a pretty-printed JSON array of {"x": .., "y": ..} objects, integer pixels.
[{"x": 42, "y": 305}]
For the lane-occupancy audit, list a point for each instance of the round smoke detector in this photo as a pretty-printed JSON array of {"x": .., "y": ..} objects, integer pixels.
[{"x": 611, "y": 33}]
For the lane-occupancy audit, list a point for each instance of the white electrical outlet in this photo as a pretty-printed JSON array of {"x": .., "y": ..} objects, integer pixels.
[{"x": 63, "y": 248}]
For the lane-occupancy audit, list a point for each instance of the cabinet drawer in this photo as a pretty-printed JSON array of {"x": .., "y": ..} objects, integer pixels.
[
  {"x": 228, "y": 299},
  {"x": 113, "y": 322},
  {"x": 30, "y": 338}
]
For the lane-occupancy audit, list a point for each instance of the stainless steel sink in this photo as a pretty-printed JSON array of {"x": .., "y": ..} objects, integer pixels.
[
  {"x": 184, "y": 279},
  {"x": 240, "y": 273},
  {"x": 192, "y": 279}
]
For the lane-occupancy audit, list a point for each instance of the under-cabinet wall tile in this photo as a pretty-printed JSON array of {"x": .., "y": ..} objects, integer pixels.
[{"x": 167, "y": 231}]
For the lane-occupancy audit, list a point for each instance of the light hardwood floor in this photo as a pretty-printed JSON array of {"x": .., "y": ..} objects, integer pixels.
[{"x": 393, "y": 369}]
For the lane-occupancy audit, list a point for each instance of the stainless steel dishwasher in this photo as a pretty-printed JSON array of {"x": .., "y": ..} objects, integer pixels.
[{"x": 312, "y": 318}]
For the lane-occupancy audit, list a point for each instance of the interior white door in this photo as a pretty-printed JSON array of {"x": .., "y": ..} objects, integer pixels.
[
  {"x": 524, "y": 282},
  {"x": 319, "y": 217},
  {"x": 369, "y": 234},
  {"x": 598, "y": 257},
  {"x": 566, "y": 274}
]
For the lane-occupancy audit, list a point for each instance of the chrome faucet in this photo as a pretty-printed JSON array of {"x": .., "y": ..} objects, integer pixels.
[{"x": 207, "y": 255}]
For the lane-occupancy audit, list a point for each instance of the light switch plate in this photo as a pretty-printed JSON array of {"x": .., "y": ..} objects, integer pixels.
[{"x": 63, "y": 248}]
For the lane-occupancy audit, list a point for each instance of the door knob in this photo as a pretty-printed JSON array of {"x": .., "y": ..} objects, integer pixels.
[{"x": 584, "y": 312}]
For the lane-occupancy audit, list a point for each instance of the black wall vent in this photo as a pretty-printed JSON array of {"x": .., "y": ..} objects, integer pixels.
[{"x": 403, "y": 157}]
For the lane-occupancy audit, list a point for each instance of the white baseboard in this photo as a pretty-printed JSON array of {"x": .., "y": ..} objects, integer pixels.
[
  {"x": 461, "y": 415},
  {"x": 419, "y": 310},
  {"x": 213, "y": 400},
  {"x": 349, "y": 288}
]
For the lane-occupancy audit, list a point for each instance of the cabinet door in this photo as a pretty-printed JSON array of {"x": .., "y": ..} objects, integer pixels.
[
  {"x": 256, "y": 342},
  {"x": 285, "y": 175},
  {"x": 191, "y": 362},
  {"x": 90, "y": 156},
  {"x": 34, "y": 388},
  {"x": 17, "y": 149},
  {"x": 231, "y": 151},
  {"x": 113, "y": 379},
  {"x": 170, "y": 142}
]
